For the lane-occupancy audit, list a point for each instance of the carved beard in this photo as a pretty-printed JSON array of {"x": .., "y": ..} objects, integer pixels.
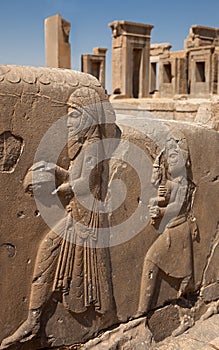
[
  {"x": 78, "y": 132},
  {"x": 76, "y": 142},
  {"x": 74, "y": 147}
]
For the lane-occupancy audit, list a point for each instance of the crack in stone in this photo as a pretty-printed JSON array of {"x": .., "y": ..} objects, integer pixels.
[
  {"x": 213, "y": 346},
  {"x": 213, "y": 245}
]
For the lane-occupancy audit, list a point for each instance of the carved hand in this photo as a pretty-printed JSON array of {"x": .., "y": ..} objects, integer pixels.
[
  {"x": 162, "y": 191},
  {"x": 65, "y": 189},
  {"x": 154, "y": 211},
  {"x": 43, "y": 165},
  {"x": 49, "y": 166}
]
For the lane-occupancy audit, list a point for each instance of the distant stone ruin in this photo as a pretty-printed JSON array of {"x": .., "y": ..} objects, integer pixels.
[
  {"x": 141, "y": 69},
  {"x": 58, "y": 49},
  {"x": 95, "y": 64}
]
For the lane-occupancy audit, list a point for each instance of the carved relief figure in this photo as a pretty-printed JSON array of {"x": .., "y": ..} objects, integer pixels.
[
  {"x": 117, "y": 30},
  {"x": 172, "y": 252},
  {"x": 68, "y": 266},
  {"x": 66, "y": 26}
]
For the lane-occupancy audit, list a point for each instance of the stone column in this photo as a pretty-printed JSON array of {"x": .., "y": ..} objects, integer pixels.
[
  {"x": 58, "y": 49},
  {"x": 95, "y": 64},
  {"x": 130, "y": 58}
]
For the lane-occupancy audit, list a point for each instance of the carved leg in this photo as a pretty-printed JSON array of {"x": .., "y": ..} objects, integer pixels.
[
  {"x": 184, "y": 286},
  {"x": 26, "y": 331},
  {"x": 148, "y": 285}
]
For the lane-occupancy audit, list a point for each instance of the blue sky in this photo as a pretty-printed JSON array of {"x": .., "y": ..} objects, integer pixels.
[{"x": 22, "y": 25}]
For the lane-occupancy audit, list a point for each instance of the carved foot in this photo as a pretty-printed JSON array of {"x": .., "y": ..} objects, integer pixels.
[
  {"x": 186, "y": 323},
  {"x": 212, "y": 310},
  {"x": 185, "y": 286},
  {"x": 26, "y": 332},
  {"x": 139, "y": 314}
]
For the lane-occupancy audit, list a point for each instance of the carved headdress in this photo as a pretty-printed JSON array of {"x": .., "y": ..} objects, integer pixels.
[{"x": 90, "y": 116}]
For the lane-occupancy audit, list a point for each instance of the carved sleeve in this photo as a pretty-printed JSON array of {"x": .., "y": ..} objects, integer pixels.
[
  {"x": 177, "y": 198},
  {"x": 86, "y": 177},
  {"x": 61, "y": 174}
]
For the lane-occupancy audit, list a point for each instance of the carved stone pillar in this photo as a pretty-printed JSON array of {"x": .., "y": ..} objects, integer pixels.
[{"x": 58, "y": 49}]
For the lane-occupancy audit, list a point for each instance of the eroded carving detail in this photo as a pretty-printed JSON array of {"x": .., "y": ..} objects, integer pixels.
[
  {"x": 171, "y": 212},
  {"x": 66, "y": 26},
  {"x": 10, "y": 151},
  {"x": 10, "y": 248},
  {"x": 15, "y": 74}
]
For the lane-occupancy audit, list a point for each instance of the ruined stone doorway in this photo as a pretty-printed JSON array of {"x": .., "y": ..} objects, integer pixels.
[
  {"x": 167, "y": 74},
  {"x": 96, "y": 69},
  {"x": 137, "y": 53},
  {"x": 154, "y": 77},
  {"x": 200, "y": 72}
]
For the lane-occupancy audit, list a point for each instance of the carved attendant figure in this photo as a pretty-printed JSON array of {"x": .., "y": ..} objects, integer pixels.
[
  {"x": 68, "y": 264},
  {"x": 172, "y": 252}
]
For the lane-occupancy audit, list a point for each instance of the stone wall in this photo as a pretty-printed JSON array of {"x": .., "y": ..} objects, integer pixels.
[
  {"x": 200, "y": 111},
  {"x": 34, "y": 99}
]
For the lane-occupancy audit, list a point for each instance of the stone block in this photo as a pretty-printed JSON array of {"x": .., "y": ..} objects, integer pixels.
[{"x": 58, "y": 49}]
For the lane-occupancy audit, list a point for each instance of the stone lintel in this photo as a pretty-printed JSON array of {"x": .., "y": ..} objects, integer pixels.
[
  {"x": 125, "y": 27},
  {"x": 159, "y": 49},
  {"x": 99, "y": 51}
]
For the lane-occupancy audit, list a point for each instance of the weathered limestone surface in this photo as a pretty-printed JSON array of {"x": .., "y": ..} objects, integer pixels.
[
  {"x": 32, "y": 100},
  {"x": 150, "y": 333},
  {"x": 203, "y": 145},
  {"x": 134, "y": 335},
  {"x": 201, "y": 111}
]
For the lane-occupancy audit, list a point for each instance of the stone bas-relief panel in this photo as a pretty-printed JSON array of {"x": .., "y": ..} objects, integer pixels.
[
  {"x": 173, "y": 206},
  {"x": 185, "y": 290},
  {"x": 65, "y": 284},
  {"x": 38, "y": 263},
  {"x": 201, "y": 111},
  {"x": 69, "y": 267},
  {"x": 172, "y": 259}
]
